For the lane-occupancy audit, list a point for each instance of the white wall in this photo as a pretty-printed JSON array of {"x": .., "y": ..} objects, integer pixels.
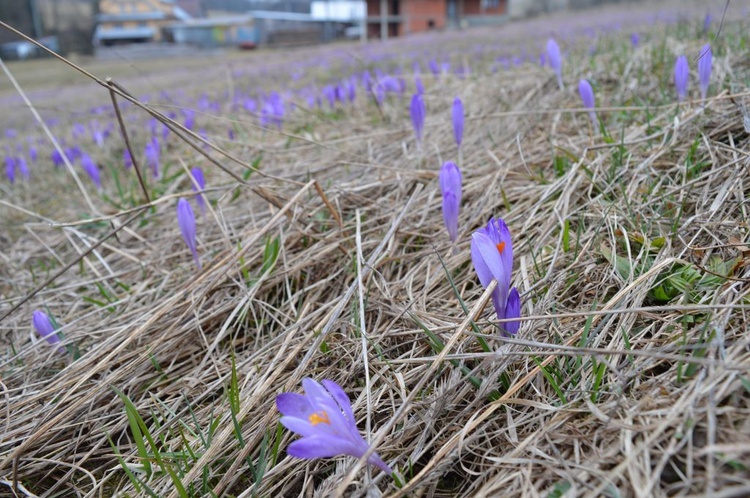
[{"x": 338, "y": 10}]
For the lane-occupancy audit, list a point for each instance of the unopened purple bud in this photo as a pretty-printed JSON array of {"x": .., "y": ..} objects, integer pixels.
[
  {"x": 10, "y": 169},
  {"x": 417, "y": 111},
  {"x": 44, "y": 327},
  {"x": 587, "y": 96},
  {"x": 90, "y": 167},
  {"x": 189, "y": 119},
  {"x": 434, "y": 67},
  {"x": 186, "y": 221},
  {"x": 127, "y": 159},
  {"x": 635, "y": 39},
  {"x": 199, "y": 183},
  {"x": 450, "y": 186},
  {"x": 512, "y": 310},
  {"x": 57, "y": 158},
  {"x": 33, "y": 155},
  {"x": 23, "y": 168},
  {"x": 419, "y": 85},
  {"x": 152, "y": 153},
  {"x": 555, "y": 60},
  {"x": 704, "y": 69},
  {"x": 681, "y": 76},
  {"x": 457, "y": 114}
]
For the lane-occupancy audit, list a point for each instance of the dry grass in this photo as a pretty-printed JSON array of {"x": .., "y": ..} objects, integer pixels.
[{"x": 629, "y": 376}]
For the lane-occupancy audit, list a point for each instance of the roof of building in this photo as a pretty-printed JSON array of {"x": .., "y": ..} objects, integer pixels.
[
  {"x": 154, "y": 15},
  {"x": 209, "y": 22},
  {"x": 281, "y": 16},
  {"x": 193, "y": 7}
]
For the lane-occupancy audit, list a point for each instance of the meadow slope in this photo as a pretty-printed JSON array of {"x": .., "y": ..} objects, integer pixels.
[{"x": 323, "y": 255}]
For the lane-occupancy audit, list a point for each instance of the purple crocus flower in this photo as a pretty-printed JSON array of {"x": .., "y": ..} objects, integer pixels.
[
  {"x": 44, "y": 327},
  {"x": 189, "y": 119},
  {"x": 199, "y": 183},
  {"x": 127, "y": 159},
  {"x": 434, "y": 67},
  {"x": 417, "y": 111},
  {"x": 681, "y": 76},
  {"x": 91, "y": 169},
  {"x": 587, "y": 96},
  {"x": 186, "y": 221},
  {"x": 323, "y": 417},
  {"x": 33, "y": 154},
  {"x": 419, "y": 85},
  {"x": 10, "y": 169},
  {"x": 635, "y": 39},
  {"x": 57, "y": 158},
  {"x": 704, "y": 69},
  {"x": 555, "y": 60},
  {"x": 152, "y": 153},
  {"x": 23, "y": 168},
  {"x": 450, "y": 186},
  {"x": 492, "y": 256},
  {"x": 457, "y": 115}
]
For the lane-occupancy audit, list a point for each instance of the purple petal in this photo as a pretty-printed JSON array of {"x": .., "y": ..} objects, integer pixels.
[
  {"x": 450, "y": 180},
  {"x": 457, "y": 115},
  {"x": 681, "y": 77},
  {"x": 341, "y": 398},
  {"x": 186, "y": 221},
  {"x": 483, "y": 271},
  {"x": 512, "y": 310},
  {"x": 305, "y": 428},
  {"x": 417, "y": 111},
  {"x": 491, "y": 256},
  {"x": 450, "y": 215},
  {"x": 704, "y": 69},
  {"x": 324, "y": 447},
  {"x": 294, "y": 405},
  {"x": 43, "y": 326},
  {"x": 587, "y": 94}
]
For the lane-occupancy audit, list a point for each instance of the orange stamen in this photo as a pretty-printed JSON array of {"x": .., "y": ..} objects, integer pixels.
[
  {"x": 500, "y": 247},
  {"x": 320, "y": 417}
]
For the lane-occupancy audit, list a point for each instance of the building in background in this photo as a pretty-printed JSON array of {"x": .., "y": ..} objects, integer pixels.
[
  {"x": 129, "y": 21},
  {"x": 386, "y": 18},
  {"x": 213, "y": 32}
]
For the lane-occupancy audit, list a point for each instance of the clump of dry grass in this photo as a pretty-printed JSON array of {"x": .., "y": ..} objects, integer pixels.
[{"x": 628, "y": 376}]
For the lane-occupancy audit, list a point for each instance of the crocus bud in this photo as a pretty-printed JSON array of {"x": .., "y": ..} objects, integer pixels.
[
  {"x": 419, "y": 85},
  {"x": 587, "y": 96},
  {"x": 199, "y": 183},
  {"x": 44, "y": 327},
  {"x": 704, "y": 69},
  {"x": 186, "y": 221},
  {"x": 555, "y": 60},
  {"x": 457, "y": 114},
  {"x": 635, "y": 39},
  {"x": 10, "y": 169},
  {"x": 91, "y": 169},
  {"x": 450, "y": 186},
  {"x": 152, "y": 153},
  {"x": 417, "y": 111},
  {"x": 512, "y": 310},
  {"x": 681, "y": 76}
]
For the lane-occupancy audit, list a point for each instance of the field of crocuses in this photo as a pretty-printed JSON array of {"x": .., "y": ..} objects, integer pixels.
[{"x": 509, "y": 261}]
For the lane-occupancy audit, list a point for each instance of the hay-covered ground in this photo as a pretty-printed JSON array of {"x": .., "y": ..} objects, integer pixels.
[{"x": 324, "y": 255}]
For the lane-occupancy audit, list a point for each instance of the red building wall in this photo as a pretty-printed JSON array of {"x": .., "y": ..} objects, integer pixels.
[
  {"x": 474, "y": 8},
  {"x": 423, "y": 15}
]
